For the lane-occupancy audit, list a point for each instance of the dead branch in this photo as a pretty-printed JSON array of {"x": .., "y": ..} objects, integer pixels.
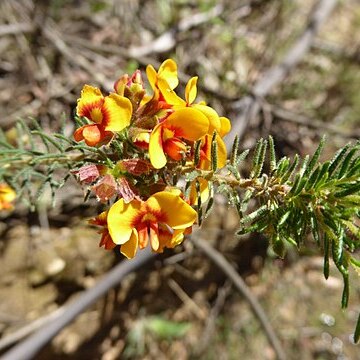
[{"x": 244, "y": 290}]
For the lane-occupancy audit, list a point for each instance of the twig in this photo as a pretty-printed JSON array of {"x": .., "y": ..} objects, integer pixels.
[
  {"x": 287, "y": 115},
  {"x": 30, "y": 328},
  {"x": 241, "y": 286},
  {"x": 187, "y": 300},
  {"x": 249, "y": 106},
  {"x": 32, "y": 345},
  {"x": 211, "y": 320},
  {"x": 15, "y": 28},
  {"x": 167, "y": 40}
]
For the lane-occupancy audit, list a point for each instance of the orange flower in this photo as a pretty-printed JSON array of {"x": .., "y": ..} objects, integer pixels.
[
  {"x": 166, "y": 137},
  {"x": 108, "y": 113},
  {"x": 162, "y": 219}
]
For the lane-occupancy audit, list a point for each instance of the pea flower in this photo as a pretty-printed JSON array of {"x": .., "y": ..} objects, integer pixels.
[
  {"x": 166, "y": 137},
  {"x": 216, "y": 123},
  {"x": 108, "y": 113},
  {"x": 161, "y": 220},
  {"x": 165, "y": 79},
  {"x": 7, "y": 196}
]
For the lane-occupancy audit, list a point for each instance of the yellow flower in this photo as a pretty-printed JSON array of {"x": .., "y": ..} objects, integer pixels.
[
  {"x": 108, "y": 113},
  {"x": 166, "y": 137},
  {"x": 162, "y": 219},
  {"x": 7, "y": 196}
]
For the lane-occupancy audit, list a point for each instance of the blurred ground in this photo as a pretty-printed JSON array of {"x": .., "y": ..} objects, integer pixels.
[{"x": 184, "y": 307}]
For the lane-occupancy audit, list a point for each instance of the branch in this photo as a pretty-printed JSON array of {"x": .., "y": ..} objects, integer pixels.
[{"x": 244, "y": 290}]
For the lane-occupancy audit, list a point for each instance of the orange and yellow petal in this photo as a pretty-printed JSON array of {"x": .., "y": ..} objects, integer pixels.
[
  {"x": 175, "y": 148},
  {"x": 204, "y": 191},
  {"x": 191, "y": 90},
  {"x": 121, "y": 218},
  {"x": 156, "y": 151},
  {"x": 117, "y": 112},
  {"x": 177, "y": 213},
  {"x": 106, "y": 240},
  {"x": 92, "y": 134},
  {"x": 90, "y": 98},
  {"x": 205, "y": 152},
  {"x": 188, "y": 123},
  {"x": 129, "y": 248}
]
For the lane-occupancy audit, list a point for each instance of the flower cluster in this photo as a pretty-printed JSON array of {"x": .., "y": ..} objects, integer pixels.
[{"x": 150, "y": 139}]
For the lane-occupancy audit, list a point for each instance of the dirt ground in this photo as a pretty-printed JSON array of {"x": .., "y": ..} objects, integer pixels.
[{"x": 179, "y": 306}]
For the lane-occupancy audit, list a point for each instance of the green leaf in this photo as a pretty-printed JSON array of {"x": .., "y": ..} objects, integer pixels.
[
  {"x": 272, "y": 154},
  {"x": 214, "y": 152},
  {"x": 259, "y": 158},
  {"x": 254, "y": 215},
  {"x": 166, "y": 329},
  {"x": 234, "y": 151},
  {"x": 336, "y": 160},
  {"x": 346, "y": 163},
  {"x": 315, "y": 157}
]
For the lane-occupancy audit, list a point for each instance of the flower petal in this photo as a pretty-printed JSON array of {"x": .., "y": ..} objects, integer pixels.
[
  {"x": 151, "y": 75},
  {"x": 169, "y": 94},
  {"x": 189, "y": 123},
  {"x": 174, "y": 148},
  {"x": 205, "y": 154},
  {"x": 177, "y": 213},
  {"x": 212, "y": 115},
  {"x": 121, "y": 218},
  {"x": 130, "y": 247},
  {"x": 221, "y": 152},
  {"x": 225, "y": 126},
  {"x": 117, "y": 112},
  {"x": 90, "y": 98},
  {"x": 156, "y": 151},
  {"x": 168, "y": 72},
  {"x": 176, "y": 239},
  {"x": 191, "y": 90},
  {"x": 204, "y": 191},
  {"x": 154, "y": 236},
  {"x": 91, "y": 134}
]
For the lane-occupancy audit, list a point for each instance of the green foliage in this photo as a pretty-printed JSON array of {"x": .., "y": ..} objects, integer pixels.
[
  {"x": 31, "y": 160},
  {"x": 305, "y": 197}
]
